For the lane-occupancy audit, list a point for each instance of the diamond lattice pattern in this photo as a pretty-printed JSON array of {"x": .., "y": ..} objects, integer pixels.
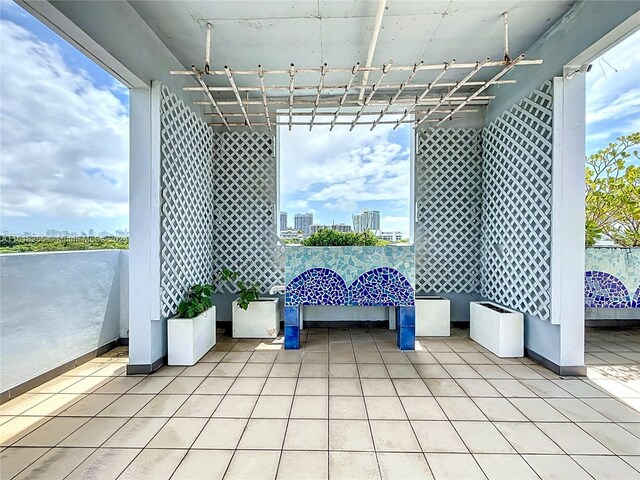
[
  {"x": 186, "y": 201},
  {"x": 516, "y": 207},
  {"x": 448, "y": 195},
  {"x": 245, "y": 196}
]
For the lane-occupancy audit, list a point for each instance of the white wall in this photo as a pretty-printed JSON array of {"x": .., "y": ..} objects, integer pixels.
[{"x": 55, "y": 307}]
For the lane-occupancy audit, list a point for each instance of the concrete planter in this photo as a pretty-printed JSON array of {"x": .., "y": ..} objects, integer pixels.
[
  {"x": 433, "y": 316},
  {"x": 190, "y": 338},
  {"x": 498, "y": 329},
  {"x": 260, "y": 320}
]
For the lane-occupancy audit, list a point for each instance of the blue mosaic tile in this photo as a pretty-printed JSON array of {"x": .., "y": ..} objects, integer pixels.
[
  {"x": 292, "y": 316},
  {"x": 316, "y": 286},
  {"x": 406, "y": 328},
  {"x": 291, "y": 337},
  {"x": 635, "y": 302},
  {"x": 382, "y": 286},
  {"x": 603, "y": 290}
]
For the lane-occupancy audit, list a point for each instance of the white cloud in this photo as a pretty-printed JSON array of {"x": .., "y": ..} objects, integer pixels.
[{"x": 64, "y": 141}]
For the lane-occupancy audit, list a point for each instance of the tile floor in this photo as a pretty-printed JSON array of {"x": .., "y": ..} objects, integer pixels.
[{"x": 348, "y": 405}]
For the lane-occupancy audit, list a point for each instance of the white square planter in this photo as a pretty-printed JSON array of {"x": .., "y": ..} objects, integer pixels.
[
  {"x": 260, "y": 320},
  {"x": 500, "y": 331},
  {"x": 190, "y": 338},
  {"x": 433, "y": 316}
]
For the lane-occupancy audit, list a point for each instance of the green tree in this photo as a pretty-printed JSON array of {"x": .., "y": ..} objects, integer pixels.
[{"x": 613, "y": 193}]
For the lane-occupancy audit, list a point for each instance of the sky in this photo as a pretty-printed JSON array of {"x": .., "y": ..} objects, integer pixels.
[{"x": 65, "y": 125}]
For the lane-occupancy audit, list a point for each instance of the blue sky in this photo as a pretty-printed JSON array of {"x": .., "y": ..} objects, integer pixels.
[{"x": 65, "y": 124}]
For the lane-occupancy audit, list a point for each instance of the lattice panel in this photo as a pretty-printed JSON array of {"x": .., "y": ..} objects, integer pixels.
[
  {"x": 516, "y": 208},
  {"x": 245, "y": 202},
  {"x": 448, "y": 196},
  {"x": 187, "y": 201}
]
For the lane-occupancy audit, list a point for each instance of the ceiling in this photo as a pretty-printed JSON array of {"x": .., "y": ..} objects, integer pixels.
[{"x": 308, "y": 33}]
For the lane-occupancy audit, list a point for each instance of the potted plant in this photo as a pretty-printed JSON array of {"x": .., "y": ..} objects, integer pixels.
[
  {"x": 252, "y": 316},
  {"x": 192, "y": 332},
  {"x": 497, "y": 328}
]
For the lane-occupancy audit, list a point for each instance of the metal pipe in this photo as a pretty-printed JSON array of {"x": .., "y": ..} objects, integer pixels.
[
  {"x": 238, "y": 97},
  {"x": 335, "y": 102},
  {"x": 292, "y": 74},
  {"x": 371, "y": 94},
  {"x": 264, "y": 96},
  {"x": 505, "y": 17},
  {"x": 299, "y": 113},
  {"x": 211, "y": 99},
  {"x": 354, "y": 70},
  {"x": 263, "y": 124},
  {"x": 315, "y": 107},
  {"x": 395, "y": 97},
  {"x": 372, "y": 44},
  {"x": 207, "y": 50}
]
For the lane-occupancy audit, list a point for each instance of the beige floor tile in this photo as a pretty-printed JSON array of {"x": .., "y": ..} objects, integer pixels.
[
  {"x": 432, "y": 371},
  {"x": 476, "y": 359},
  {"x": 236, "y": 406},
  {"x": 18, "y": 427},
  {"x": 13, "y": 460},
  {"x": 307, "y": 435},
  {"x": 411, "y": 387},
  {"x": 119, "y": 385},
  {"x": 280, "y": 386},
  {"x": 285, "y": 370},
  {"x": 403, "y": 466},
  {"x": 607, "y": 467},
  {"x": 136, "y": 433},
  {"x": 178, "y": 433},
  {"x": 310, "y": 407},
  {"x": 277, "y": 406},
  {"x": 257, "y": 370},
  {"x": 263, "y": 433},
  {"x": 460, "y": 408},
  {"x": 580, "y": 388},
  {"x": 199, "y": 406},
  {"x": 347, "y": 408},
  {"x": 315, "y": 357},
  {"x": 56, "y": 463},
  {"x": 221, "y": 433},
  {"x": 448, "y": 358},
  {"x": 614, "y": 437},
  {"x": 393, "y": 436},
  {"x": 613, "y": 409},
  {"x": 151, "y": 385},
  {"x": 87, "y": 385},
  {"x": 343, "y": 370},
  {"x": 385, "y": 408},
  {"x": 227, "y": 369},
  {"x": 499, "y": 410},
  {"x": 537, "y": 410},
  {"x": 368, "y": 357},
  {"x": 198, "y": 370},
  {"x": 253, "y": 465},
  {"x": 556, "y": 467},
  {"x": 158, "y": 464},
  {"x": 482, "y": 437},
  {"x": 94, "y": 433},
  {"x": 461, "y": 371},
  {"x": 342, "y": 357},
  {"x": 56, "y": 385},
  {"x": 312, "y": 386},
  {"x": 90, "y": 405},
  {"x": 23, "y": 403},
  {"x": 522, "y": 372},
  {"x": 345, "y": 386},
  {"x": 313, "y": 464},
  {"x": 104, "y": 464},
  {"x": 511, "y": 388},
  {"x": 491, "y": 371},
  {"x": 353, "y": 465},
  {"x": 438, "y": 436},
  {"x": 450, "y": 466},
  {"x": 169, "y": 371},
  {"x": 505, "y": 467},
  {"x": 203, "y": 465},
  {"x": 239, "y": 357},
  {"x": 402, "y": 370},
  {"x": 572, "y": 439},
  {"x": 372, "y": 370},
  {"x": 247, "y": 386},
  {"x": 52, "y": 432},
  {"x": 378, "y": 387},
  {"x": 421, "y": 357},
  {"x": 182, "y": 386},
  {"x": 422, "y": 408},
  {"x": 444, "y": 387},
  {"x": 634, "y": 461},
  {"x": 545, "y": 388},
  {"x": 111, "y": 370},
  {"x": 477, "y": 387},
  {"x": 214, "y": 386},
  {"x": 525, "y": 437},
  {"x": 395, "y": 357},
  {"x": 162, "y": 406},
  {"x": 126, "y": 406},
  {"x": 314, "y": 370},
  {"x": 55, "y": 404},
  {"x": 575, "y": 410},
  {"x": 353, "y": 435}
]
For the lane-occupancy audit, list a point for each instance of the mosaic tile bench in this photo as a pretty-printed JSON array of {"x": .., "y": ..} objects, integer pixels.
[{"x": 352, "y": 276}]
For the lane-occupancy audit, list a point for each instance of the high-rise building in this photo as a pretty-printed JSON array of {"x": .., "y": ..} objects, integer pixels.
[
  {"x": 302, "y": 221},
  {"x": 339, "y": 227},
  {"x": 367, "y": 220},
  {"x": 283, "y": 220}
]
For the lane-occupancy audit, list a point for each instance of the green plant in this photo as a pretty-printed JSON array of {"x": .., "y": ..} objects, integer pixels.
[
  {"x": 247, "y": 292},
  {"x": 332, "y": 238},
  {"x": 198, "y": 300}
]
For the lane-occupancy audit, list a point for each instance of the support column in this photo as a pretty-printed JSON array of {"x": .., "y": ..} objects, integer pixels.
[
  {"x": 406, "y": 328},
  {"x": 292, "y": 327}
]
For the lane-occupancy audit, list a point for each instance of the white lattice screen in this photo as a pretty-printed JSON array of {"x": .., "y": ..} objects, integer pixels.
[
  {"x": 448, "y": 195},
  {"x": 245, "y": 207},
  {"x": 516, "y": 208},
  {"x": 187, "y": 201}
]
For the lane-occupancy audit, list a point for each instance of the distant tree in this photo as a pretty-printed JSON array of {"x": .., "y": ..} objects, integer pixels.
[{"x": 613, "y": 193}]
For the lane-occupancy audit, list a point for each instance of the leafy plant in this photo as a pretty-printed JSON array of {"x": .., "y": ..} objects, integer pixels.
[
  {"x": 247, "y": 292},
  {"x": 332, "y": 238},
  {"x": 612, "y": 197},
  {"x": 198, "y": 301},
  {"x": 13, "y": 244}
]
